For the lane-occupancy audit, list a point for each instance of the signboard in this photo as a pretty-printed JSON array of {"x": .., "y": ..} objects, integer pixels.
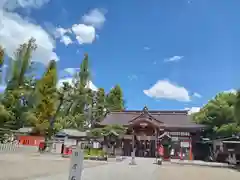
[
  {"x": 143, "y": 125},
  {"x": 185, "y": 144},
  {"x": 179, "y": 134},
  {"x": 69, "y": 142},
  {"x": 76, "y": 164},
  {"x": 175, "y": 138},
  {"x": 96, "y": 145}
]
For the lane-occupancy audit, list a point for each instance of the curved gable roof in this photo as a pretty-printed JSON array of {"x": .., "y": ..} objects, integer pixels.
[{"x": 170, "y": 119}]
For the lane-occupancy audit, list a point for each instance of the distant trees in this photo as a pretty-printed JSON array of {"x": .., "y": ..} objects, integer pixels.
[
  {"x": 237, "y": 108},
  {"x": 39, "y": 103},
  {"x": 114, "y": 99},
  {"x": 221, "y": 114}
]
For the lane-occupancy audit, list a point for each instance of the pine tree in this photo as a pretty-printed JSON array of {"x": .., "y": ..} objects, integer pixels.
[
  {"x": 100, "y": 105},
  {"x": 81, "y": 92},
  {"x": 21, "y": 64},
  {"x": 16, "y": 95},
  {"x": 115, "y": 100}
]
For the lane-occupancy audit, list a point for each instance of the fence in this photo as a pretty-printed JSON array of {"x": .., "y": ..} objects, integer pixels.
[
  {"x": 13, "y": 147},
  {"x": 8, "y": 147}
]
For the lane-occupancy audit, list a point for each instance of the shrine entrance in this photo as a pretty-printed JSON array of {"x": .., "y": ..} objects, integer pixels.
[
  {"x": 144, "y": 130},
  {"x": 145, "y": 140}
]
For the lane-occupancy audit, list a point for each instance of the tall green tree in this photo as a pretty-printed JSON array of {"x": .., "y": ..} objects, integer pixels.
[
  {"x": 21, "y": 64},
  {"x": 80, "y": 95},
  {"x": 218, "y": 114},
  {"x": 16, "y": 95},
  {"x": 237, "y": 108},
  {"x": 46, "y": 108},
  {"x": 100, "y": 106},
  {"x": 1, "y": 63},
  {"x": 114, "y": 99},
  {"x": 4, "y": 115},
  {"x": 28, "y": 101}
]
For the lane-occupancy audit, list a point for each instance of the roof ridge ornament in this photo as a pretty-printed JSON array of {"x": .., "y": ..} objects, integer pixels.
[{"x": 145, "y": 109}]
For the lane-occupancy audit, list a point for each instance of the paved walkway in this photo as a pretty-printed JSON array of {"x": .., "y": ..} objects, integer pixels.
[
  {"x": 23, "y": 166},
  {"x": 201, "y": 163},
  {"x": 145, "y": 169},
  {"x": 115, "y": 171}
]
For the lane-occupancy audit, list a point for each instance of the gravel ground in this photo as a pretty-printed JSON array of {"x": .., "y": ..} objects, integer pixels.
[
  {"x": 146, "y": 170},
  {"x": 46, "y": 167},
  {"x": 23, "y": 166}
]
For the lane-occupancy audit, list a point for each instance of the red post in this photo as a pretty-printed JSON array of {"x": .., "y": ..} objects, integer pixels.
[{"x": 190, "y": 151}]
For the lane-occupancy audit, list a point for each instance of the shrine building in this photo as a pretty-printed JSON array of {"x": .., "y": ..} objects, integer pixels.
[{"x": 147, "y": 129}]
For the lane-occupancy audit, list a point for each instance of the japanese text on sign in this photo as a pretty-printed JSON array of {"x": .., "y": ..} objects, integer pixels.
[
  {"x": 178, "y": 133},
  {"x": 76, "y": 164}
]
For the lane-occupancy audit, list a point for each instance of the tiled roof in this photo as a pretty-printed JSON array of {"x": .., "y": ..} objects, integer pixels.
[
  {"x": 171, "y": 119},
  {"x": 71, "y": 132}
]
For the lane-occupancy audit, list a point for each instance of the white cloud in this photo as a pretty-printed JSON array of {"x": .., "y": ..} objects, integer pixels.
[
  {"x": 193, "y": 110},
  {"x": 173, "y": 59},
  {"x": 231, "y": 91},
  {"x": 15, "y": 30},
  {"x": 197, "y": 95},
  {"x": 61, "y": 32},
  {"x": 66, "y": 40},
  {"x": 71, "y": 81},
  {"x": 167, "y": 90},
  {"x": 13, "y": 4},
  {"x": 71, "y": 71},
  {"x": 61, "y": 81},
  {"x": 95, "y": 18},
  {"x": 92, "y": 86},
  {"x": 84, "y": 34}
]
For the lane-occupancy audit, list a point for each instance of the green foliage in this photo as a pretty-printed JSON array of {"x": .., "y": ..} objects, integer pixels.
[
  {"x": 39, "y": 103},
  {"x": 4, "y": 115},
  {"x": 218, "y": 114},
  {"x": 228, "y": 129},
  {"x": 116, "y": 130},
  {"x": 28, "y": 101},
  {"x": 16, "y": 97},
  {"x": 100, "y": 106},
  {"x": 93, "y": 152},
  {"x": 20, "y": 65},
  {"x": 115, "y": 100},
  {"x": 1, "y": 56},
  {"x": 84, "y": 74},
  {"x": 237, "y": 108},
  {"x": 1, "y": 62},
  {"x": 46, "y": 89},
  {"x": 80, "y": 96}
]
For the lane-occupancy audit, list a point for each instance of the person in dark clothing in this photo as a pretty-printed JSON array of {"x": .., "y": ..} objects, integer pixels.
[{"x": 62, "y": 148}]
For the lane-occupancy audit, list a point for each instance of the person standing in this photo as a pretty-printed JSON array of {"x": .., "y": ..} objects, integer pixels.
[{"x": 160, "y": 150}]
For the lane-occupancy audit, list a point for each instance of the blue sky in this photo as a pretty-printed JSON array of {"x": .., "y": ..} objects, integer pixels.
[{"x": 166, "y": 54}]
